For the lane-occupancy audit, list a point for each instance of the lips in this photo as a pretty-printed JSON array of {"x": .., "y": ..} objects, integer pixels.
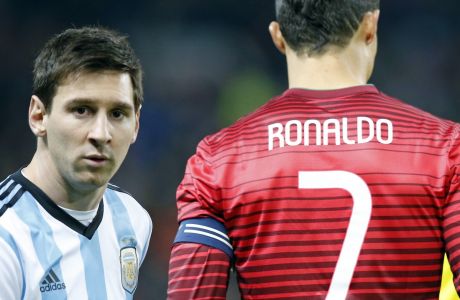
[{"x": 96, "y": 159}]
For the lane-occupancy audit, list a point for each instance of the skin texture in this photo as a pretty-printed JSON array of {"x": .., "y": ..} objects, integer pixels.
[{"x": 84, "y": 138}]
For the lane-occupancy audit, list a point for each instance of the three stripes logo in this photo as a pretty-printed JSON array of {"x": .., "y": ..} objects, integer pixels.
[{"x": 51, "y": 283}]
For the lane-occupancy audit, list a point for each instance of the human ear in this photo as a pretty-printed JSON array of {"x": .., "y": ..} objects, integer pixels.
[
  {"x": 37, "y": 116},
  {"x": 277, "y": 36},
  {"x": 136, "y": 129},
  {"x": 369, "y": 26}
]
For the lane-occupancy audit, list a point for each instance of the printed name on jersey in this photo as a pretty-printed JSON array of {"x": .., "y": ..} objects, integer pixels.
[
  {"x": 51, "y": 283},
  {"x": 330, "y": 132},
  {"x": 129, "y": 268}
]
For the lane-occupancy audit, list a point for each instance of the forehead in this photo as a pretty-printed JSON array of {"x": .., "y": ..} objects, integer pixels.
[{"x": 106, "y": 87}]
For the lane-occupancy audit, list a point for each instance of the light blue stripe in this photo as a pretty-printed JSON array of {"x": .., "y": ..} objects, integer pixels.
[
  {"x": 6, "y": 186},
  {"x": 121, "y": 222},
  {"x": 45, "y": 246},
  {"x": 94, "y": 272},
  {"x": 6, "y": 236}
]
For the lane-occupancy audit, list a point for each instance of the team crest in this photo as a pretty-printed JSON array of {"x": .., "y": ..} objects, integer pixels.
[{"x": 129, "y": 268}]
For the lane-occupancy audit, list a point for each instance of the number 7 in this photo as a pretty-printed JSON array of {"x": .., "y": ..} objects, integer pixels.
[{"x": 357, "y": 227}]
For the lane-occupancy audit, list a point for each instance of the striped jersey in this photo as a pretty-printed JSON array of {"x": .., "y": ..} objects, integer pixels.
[
  {"x": 340, "y": 194},
  {"x": 47, "y": 254}
]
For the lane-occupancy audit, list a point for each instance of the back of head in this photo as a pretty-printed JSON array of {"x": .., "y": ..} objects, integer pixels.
[
  {"x": 312, "y": 26},
  {"x": 87, "y": 49}
]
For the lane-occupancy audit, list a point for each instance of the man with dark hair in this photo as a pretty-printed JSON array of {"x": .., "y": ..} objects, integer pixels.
[
  {"x": 65, "y": 232},
  {"x": 331, "y": 190}
]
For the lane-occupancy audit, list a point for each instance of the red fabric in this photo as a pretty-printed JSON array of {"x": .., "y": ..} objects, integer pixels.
[
  {"x": 197, "y": 272},
  {"x": 287, "y": 240}
]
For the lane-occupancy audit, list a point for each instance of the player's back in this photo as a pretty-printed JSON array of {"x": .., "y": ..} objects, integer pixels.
[{"x": 291, "y": 176}]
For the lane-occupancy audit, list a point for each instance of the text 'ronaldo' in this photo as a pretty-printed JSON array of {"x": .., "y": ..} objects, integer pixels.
[{"x": 330, "y": 132}]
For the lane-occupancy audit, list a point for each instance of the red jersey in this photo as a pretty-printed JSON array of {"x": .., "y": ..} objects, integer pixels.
[{"x": 335, "y": 194}]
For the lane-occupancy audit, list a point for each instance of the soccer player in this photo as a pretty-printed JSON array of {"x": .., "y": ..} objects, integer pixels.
[
  {"x": 65, "y": 232},
  {"x": 330, "y": 190}
]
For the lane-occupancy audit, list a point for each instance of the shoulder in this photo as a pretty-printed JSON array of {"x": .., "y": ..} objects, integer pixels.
[
  {"x": 121, "y": 201},
  {"x": 10, "y": 192},
  {"x": 11, "y": 233},
  {"x": 129, "y": 214},
  {"x": 405, "y": 108},
  {"x": 242, "y": 131},
  {"x": 422, "y": 122},
  {"x": 118, "y": 189},
  {"x": 454, "y": 150}
]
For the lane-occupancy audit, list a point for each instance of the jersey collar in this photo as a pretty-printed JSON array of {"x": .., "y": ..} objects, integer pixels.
[
  {"x": 327, "y": 94},
  {"x": 59, "y": 214}
]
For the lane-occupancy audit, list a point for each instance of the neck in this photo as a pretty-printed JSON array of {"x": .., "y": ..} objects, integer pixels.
[
  {"x": 332, "y": 70},
  {"x": 43, "y": 173}
]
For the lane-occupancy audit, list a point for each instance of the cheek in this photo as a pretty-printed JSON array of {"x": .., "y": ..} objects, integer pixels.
[
  {"x": 61, "y": 137},
  {"x": 122, "y": 139}
]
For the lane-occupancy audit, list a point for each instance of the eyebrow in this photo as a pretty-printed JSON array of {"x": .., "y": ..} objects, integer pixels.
[{"x": 90, "y": 102}]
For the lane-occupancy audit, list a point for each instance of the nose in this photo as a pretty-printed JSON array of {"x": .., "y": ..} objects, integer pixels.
[{"x": 100, "y": 132}]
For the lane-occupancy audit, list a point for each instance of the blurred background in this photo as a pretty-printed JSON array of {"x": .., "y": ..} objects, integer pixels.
[{"x": 206, "y": 64}]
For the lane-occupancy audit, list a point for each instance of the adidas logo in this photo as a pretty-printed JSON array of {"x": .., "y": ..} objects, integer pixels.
[{"x": 51, "y": 283}]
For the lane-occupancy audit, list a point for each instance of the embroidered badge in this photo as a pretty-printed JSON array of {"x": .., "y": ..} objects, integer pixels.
[{"x": 129, "y": 268}]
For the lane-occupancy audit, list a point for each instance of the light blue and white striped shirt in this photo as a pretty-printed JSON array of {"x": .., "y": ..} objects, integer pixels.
[{"x": 47, "y": 254}]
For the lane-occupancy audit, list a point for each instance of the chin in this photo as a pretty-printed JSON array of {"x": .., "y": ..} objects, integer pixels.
[{"x": 92, "y": 181}]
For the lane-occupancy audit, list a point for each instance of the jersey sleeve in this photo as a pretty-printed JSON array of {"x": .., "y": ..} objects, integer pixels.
[
  {"x": 205, "y": 231},
  {"x": 202, "y": 251},
  {"x": 147, "y": 235},
  {"x": 11, "y": 280},
  {"x": 197, "y": 272},
  {"x": 199, "y": 207},
  {"x": 198, "y": 194},
  {"x": 451, "y": 211}
]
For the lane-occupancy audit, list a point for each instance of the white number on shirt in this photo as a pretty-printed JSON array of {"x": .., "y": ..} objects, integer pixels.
[{"x": 357, "y": 227}]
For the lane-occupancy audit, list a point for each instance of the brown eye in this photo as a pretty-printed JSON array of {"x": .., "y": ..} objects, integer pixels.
[
  {"x": 81, "y": 111},
  {"x": 118, "y": 114}
]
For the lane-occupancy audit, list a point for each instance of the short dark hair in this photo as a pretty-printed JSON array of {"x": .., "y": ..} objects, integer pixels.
[
  {"x": 311, "y": 26},
  {"x": 86, "y": 49}
]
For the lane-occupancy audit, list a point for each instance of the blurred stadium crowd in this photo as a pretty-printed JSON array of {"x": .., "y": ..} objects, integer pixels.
[{"x": 207, "y": 63}]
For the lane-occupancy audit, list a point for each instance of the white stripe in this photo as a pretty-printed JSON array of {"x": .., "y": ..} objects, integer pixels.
[
  {"x": 10, "y": 196},
  {"x": 68, "y": 241},
  {"x": 110, "y": 255},
  {"x": 5, "y": 179},
  {"x": 6, "y": 186},
  {"x": 33, "y": 270},
  {"x": 12, "y": 193},
  {"x": 11, "y": 283},
  {"x": 209, "y": 235},
  {"x": 208, "y": 228}
]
